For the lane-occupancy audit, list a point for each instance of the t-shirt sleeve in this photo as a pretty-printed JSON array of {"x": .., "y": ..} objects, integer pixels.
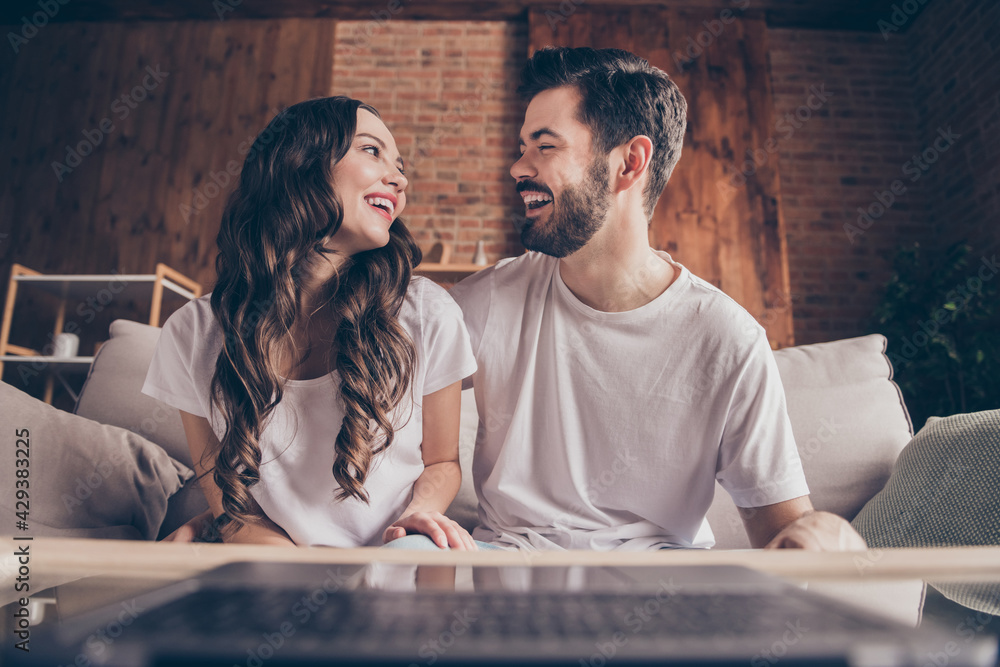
[
  {"x": 758, "y": 461},
  {"x": 447, "y": 352},
  {"x": 473, "y": 296},
  {"x": 177, "y": 375}
]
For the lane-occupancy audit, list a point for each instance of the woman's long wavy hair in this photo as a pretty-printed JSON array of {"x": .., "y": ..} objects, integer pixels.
[{"x": 274, "y": 227}]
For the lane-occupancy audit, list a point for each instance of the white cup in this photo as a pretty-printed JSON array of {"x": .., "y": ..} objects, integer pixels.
[{"x": 65, "y": 345}]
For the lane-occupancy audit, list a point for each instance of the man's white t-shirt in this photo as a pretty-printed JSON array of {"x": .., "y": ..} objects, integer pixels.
[
  {"x": 297, "y": 489},
  {"x": 607, "y": 430}
]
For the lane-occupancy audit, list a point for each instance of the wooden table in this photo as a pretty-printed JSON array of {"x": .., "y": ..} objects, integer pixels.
[
  {"x": 74, "y": 576},
  {"x": 54, "y": 561}
]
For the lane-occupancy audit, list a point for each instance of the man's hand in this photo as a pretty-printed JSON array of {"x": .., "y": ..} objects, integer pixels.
[
  {"x": 191, "y": 529},
  {"x": 794, "y": 524},
  {"x": 818, "y": 531},
  {"x": 443, "y": 531}
]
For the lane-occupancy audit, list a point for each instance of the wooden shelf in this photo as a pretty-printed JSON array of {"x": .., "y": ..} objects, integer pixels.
[
  {"x": 69, "y": 364},
  {"x": 440, "y": 253},
  {"x": 81, "y": 287},
  {"x": 437, "y": 267}
]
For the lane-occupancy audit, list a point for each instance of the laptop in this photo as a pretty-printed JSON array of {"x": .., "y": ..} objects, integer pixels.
[{"x": 270, "y": 614}]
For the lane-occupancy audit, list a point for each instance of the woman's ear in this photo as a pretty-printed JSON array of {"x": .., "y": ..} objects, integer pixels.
[{"x": 636, "y": 156}]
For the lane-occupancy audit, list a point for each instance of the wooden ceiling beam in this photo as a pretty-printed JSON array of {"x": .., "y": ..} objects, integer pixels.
[{"x": 852, "y": 15}]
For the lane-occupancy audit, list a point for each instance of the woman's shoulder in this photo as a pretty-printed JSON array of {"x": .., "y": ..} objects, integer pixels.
[
  {"x": 194, "y": 326},
  {"x": 195, "y": 316},
  {"x": 424, "y": 290},
  {"x": 427, "y": 302}
]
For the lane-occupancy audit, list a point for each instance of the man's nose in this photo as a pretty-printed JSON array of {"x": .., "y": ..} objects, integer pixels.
[{"x": 523, "y": 168}]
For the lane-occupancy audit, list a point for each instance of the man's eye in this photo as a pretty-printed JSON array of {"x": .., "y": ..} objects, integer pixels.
[{"x": 545, "y": 146}]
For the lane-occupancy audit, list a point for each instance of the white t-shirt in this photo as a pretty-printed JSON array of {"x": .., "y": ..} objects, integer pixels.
[
  {"x": 608, "y": 430},
  {"x": 296, "y": 488}
]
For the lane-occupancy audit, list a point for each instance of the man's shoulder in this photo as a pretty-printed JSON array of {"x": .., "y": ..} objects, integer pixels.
[
  {"x": 507, "y": 274},
  {"x": 718, "y": 313}
]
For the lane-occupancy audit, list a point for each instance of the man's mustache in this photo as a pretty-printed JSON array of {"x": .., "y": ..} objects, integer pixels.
[{"x": 534, "y": 187}]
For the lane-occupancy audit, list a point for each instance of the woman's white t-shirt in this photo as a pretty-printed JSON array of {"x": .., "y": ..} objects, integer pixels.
[{"x": 297, "y": 489}]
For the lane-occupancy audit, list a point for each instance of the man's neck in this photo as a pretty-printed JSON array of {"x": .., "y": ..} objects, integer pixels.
[{"x": 617, "y": 270}]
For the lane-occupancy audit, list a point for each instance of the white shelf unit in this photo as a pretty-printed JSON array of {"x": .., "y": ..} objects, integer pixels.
[{"x": 78, "y": 287}]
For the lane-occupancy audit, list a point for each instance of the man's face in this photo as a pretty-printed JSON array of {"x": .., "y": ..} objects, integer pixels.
[{"x": 563, "y": 184}]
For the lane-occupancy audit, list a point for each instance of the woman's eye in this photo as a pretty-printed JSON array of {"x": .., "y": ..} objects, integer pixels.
[{"x": 372, "y": 149}]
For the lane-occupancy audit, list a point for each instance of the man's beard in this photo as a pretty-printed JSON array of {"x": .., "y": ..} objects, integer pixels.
[{"x": 576, "y": 215}]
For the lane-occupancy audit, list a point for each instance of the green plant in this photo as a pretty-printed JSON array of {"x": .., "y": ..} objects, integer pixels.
[{"x": 941, "y": 317}]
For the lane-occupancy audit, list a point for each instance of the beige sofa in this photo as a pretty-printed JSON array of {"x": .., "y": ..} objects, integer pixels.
[{"x": 847, "y": 414}]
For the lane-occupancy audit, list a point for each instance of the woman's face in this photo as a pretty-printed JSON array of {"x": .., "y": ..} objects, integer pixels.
[{"x": 370, "y": 183}]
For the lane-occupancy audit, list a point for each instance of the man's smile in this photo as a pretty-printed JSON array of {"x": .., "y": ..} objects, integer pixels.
[{"x": 535, "y": 198}]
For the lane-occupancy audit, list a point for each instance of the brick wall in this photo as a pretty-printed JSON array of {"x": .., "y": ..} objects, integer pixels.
[
  {"x": 955, "y": 61},
  {"x": 894, "y": 98},
  {"x": 446, "y": 91},
  {"x": 846, "y": 155}
]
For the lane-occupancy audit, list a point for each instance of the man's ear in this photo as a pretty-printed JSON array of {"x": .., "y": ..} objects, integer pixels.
[{"x": 636, "y": 155}]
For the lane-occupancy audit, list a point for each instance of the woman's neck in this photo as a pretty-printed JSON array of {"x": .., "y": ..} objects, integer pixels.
[{"x": 310, "y": 349}]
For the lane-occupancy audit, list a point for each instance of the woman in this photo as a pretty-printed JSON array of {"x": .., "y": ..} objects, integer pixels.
[{"x": 319, "y": 384}]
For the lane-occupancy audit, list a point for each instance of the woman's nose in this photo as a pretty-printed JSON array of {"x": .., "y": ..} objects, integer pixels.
[{"x": 396, "y": 179}]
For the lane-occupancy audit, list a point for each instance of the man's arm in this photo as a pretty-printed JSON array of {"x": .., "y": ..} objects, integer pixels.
[{"x": 794, "y": 524}]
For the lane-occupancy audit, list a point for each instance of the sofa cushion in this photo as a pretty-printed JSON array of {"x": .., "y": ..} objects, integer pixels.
[
  {"x": 85, "y": 479},
  {"x": 849, "y": 422},
  {"x": 944, "y": 489},
  {"x": 113, "y": 395}
]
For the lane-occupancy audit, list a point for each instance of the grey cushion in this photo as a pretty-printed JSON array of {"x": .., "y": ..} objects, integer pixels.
[
  {"x": 944, "y": 489},
  {"x": 86, "y": 479},
  {"x": 112, "y": 395},
  {"x": 849, "y": 422}
]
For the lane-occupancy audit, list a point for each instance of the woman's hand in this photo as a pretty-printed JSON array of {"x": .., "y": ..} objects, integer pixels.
[
  {"x": 191, "y": 529},
  {"x": 443, "y": 531}
]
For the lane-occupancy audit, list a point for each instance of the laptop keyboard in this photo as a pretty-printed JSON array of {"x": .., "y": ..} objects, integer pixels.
[{"x": 497, "y": 615}]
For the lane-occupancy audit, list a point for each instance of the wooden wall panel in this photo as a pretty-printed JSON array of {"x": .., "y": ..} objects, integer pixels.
[
  {"x": 732, "y": 237},
  {"x": 122, "y": 208}
]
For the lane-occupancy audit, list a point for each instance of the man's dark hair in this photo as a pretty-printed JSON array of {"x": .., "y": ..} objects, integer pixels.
[{"x": 623, "y": 96}]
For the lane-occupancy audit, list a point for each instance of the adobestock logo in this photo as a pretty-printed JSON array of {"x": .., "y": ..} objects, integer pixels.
[
  {"x": 915, "y": 167},
  {"x": 38, "y": 20},
  {"x": 901, "y": 15},
  {"x": 697, "y": 45},
  {"x": 785, "y": 128},
  {"x": 218, "y": 181},
  {"x": 121, "y": 107}
]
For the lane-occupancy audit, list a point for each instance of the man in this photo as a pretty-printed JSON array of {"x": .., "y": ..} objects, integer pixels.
[{"x": 614, "y": 387}]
